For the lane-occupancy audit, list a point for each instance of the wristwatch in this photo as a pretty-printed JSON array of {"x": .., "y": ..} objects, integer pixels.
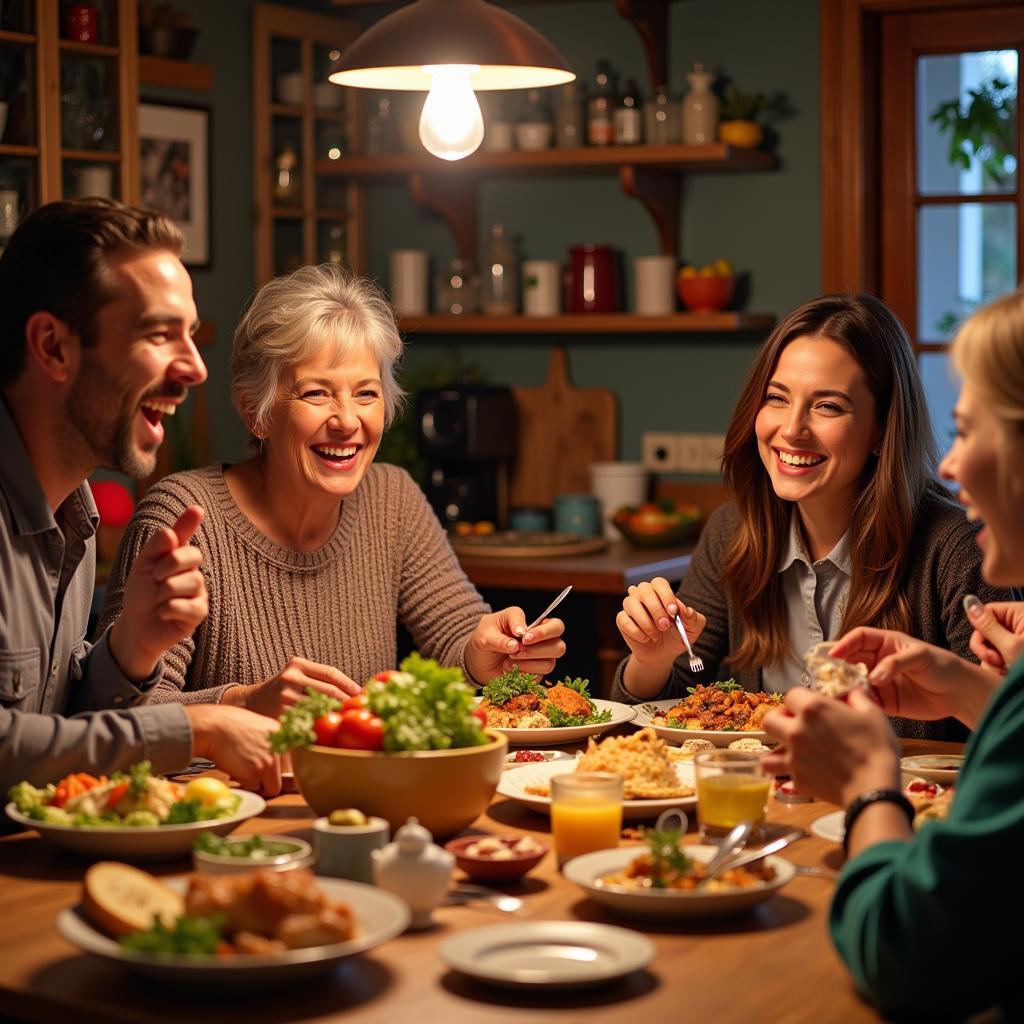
[{"x": 874, "y": 796}]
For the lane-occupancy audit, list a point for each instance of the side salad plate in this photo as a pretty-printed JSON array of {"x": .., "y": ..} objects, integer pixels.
[
  {"x": 647, "y": 713},
  {"x": 139, "y": 843}
]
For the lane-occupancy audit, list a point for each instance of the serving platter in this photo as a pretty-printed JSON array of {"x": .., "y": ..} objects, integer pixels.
[
  {"x": 670, "y": 904},
  {"x": 379, "y": 916},
  {"x": 548, "y": 954},
  {"x": 621, "y": 714},
  {"x": 157, "y": 842},
  {"x": 646, "y": 712},
  {"x": 514, "y": 785}
]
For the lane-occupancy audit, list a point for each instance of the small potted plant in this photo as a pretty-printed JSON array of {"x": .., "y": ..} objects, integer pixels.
[{"x": 737, "y": 117}]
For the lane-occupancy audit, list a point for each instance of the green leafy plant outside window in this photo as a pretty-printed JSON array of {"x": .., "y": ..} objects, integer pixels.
[{"x": 982, "y": 129}]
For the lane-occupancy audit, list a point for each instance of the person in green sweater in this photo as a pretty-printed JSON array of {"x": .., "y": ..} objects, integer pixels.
[{"x": 920, "y": 919}]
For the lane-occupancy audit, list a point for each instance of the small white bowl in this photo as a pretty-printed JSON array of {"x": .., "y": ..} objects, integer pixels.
[
  {"x": 218, "y": 864},
  {"x": 534, "y": 135}
]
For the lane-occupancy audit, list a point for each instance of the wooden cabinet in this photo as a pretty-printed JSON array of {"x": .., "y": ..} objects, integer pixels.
[
  {"x": 71, "y": 104},
  {"x": 301, "y": 123}
]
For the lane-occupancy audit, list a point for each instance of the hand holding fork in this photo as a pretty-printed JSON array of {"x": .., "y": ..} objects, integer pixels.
[{"x": 646, "y": 619}]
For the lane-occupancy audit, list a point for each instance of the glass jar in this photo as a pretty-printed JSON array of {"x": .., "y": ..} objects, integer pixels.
[
  {"x": 457, "y": 289},
  {"x": 287, "y": 181},
  {"x": 500, "y": 279},
  {"x": 600, "y": 108},
  {"x": 381, "y": 129},
  {"x": 628, "y": 117},
  {"x": 700, "y": 109},
  {"x": 569, "y": 118},
  {"x": 662, "y": 123}
]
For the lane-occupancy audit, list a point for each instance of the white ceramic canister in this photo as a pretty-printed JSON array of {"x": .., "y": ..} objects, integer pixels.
[
  {"x": 542, "y": 287},
  {"x": 654, "y": 285},
  {"x": 616, "y": 484},
  {"x": 409, "y": 281}
]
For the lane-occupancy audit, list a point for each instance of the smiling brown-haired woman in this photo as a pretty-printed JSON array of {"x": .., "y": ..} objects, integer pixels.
[{"x": 836, "y": 519}]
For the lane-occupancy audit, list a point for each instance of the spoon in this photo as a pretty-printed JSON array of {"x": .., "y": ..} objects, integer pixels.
[
  {"x": 773, "y": 847},
  {"x": 464, "y": 893},
  {"x": 731, "y": 844},
  {"x": 550, "y": 608}
]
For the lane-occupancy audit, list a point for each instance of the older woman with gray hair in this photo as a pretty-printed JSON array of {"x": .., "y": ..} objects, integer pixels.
[{"x": 311, "y": 552}]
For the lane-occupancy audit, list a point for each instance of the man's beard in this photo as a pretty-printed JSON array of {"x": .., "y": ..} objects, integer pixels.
[{"x": 101, "y": 422}]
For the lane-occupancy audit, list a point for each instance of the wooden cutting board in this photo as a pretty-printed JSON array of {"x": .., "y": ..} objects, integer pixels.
[{"x": 562, "y": 430}]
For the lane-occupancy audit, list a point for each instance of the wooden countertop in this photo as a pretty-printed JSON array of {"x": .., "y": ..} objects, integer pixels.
[{"x": 776, "y": 963}]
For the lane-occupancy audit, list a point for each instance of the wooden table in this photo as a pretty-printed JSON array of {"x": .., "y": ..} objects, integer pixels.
[
  {"x": 606, "y": 575},
  {"x": 774, "y": 964}
]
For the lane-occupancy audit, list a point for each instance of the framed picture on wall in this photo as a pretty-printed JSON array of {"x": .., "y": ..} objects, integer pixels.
[{"x": 174, "y": 170}]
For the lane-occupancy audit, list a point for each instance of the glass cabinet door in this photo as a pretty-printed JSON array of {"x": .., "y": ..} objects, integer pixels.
[{"x": 302, "y": 121}]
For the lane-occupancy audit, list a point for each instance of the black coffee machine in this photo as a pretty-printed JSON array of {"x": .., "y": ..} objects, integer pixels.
[{"x": 467, "y": 435}]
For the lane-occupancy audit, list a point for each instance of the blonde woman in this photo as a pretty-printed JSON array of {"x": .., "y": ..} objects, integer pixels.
[{"x": 919, "y": 918}]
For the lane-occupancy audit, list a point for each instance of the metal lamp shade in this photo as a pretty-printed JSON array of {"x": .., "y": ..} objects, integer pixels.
[{"x": 509, "y": 53}]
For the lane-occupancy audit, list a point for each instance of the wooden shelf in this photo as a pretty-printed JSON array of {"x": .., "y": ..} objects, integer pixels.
[
  {"x": 95, "y": 156},
  {"x": 588, "y": 323},
  {"x": 89, "y": 49},
  {"x": 594, "y": 159},
  {"x": 175, "y": 74},
  {"x": 10, "y": 149}
]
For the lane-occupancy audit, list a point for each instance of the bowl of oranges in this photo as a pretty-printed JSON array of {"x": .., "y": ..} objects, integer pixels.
[
  {"x": 658, "y": 524},
  {"x": 707, "y": 289}
]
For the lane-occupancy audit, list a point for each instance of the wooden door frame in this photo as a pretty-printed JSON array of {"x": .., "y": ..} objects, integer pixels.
[{"x": 850, "y": 130}]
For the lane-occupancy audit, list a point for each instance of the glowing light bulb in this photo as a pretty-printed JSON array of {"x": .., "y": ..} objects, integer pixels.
[{"x": 451, "y": 125}]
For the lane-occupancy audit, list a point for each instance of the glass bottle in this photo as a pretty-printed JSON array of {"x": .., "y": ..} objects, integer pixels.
[
  {"x": 700, "y": 109},
  {"x": 380, "y": 129},
  {"x": 600, "y": 106},
  {"x": 457, "y": 289},
  {"x": 10, "y": 203},
  {"x": 569, "y": 118},
  {"x": 500, "y": 278},
  {"x": 287, "y": 182},
  {"x": 628, "y": 117},
  {"x": 661, "y": 119}
]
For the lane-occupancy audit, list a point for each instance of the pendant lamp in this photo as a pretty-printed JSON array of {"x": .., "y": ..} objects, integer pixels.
[{"x": 450, "y": 49}]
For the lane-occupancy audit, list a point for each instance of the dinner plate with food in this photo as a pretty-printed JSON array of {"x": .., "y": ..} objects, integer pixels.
[
  {"x": 665, "y": 879},
  {"x": 239, "y": 932},
  {"x": 720, "y": 713},
  {"x": 931, "y": 802},
  {"x": 530, "y": 713},
  {"x": 134, "y": 815},
  {"x": 942, "y": 768},
  {"x": 652, "y": 780}
]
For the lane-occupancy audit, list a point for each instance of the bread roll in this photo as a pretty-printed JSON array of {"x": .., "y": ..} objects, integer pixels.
[{"x": 120, "y": 899}]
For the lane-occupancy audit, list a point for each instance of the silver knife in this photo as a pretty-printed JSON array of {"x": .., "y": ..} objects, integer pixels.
[{"x": 550, "y": 608}]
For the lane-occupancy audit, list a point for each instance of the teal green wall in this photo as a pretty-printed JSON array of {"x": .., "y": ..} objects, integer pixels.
[{"x": 767, "y": 224}]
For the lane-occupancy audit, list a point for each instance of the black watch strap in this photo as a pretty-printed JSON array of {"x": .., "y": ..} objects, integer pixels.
[{"x": 874, "y": 796}]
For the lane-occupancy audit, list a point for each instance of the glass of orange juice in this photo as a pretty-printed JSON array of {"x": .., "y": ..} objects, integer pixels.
[
  {"x": 586, "y": 812},
  {"x": 731, "y": 787}
]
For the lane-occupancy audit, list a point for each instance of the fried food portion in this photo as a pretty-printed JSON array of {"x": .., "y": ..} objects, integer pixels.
[
  {"x": 286, "y": 906},
  {"x": 572, "y": 702},
  {"x": 714, "y": 709}
]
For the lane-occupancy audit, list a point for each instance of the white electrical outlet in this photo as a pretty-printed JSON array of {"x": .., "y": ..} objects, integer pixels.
[
  {"x": 659, "y": 452},
  {"x": 690, "y": 453},
  {"x": 714, "y": 445}
]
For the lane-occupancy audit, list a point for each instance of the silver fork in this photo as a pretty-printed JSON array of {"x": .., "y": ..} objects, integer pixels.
[{"x": 696, "y": 665}]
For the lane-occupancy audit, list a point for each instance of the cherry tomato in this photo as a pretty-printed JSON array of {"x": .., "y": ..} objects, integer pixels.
[
  {"x": 360, "y": 729},
  {"x": 481, "y": 713},
  {"x": 326, "y": 728},
  {"x": 383, "y": 677},
  {"x": 356, "y": 701}
]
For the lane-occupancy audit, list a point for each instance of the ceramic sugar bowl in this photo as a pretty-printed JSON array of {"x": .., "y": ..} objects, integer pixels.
[{"x": 414, "y": 869}]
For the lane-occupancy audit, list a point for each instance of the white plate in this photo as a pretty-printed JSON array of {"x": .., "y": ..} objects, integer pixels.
[
  {"x": 554, "y": 954},
  {"x": 513, "y": 785},
  {"x": 667, "y": 903},
  {"x": 157, "y": 842},
  {"x": 621, "y": 713},
  {"x": 833, "y": 826},
  {"x": 645, "y": 717},
  {"x": 931, "y": 767},
  {"x": 549, "y": 755},
  {"x": 830, "y": 826},
  {"x": 379, "y": 917}
]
